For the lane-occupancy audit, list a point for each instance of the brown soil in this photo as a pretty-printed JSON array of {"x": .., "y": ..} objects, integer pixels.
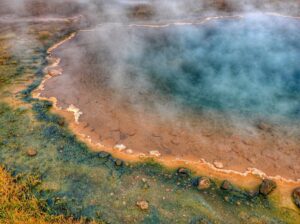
[{"x": 111, "y": 118}]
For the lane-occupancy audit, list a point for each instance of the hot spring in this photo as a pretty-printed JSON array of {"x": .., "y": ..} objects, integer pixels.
[
  {"x": 225, "y": 89},
  {"x": 248, "y": 67}
]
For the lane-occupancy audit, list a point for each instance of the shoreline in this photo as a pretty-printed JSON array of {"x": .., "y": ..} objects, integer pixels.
[{"x": 251, "y": 178}]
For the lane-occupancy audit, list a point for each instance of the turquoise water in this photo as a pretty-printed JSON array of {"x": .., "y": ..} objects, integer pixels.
[{"x": 245, "y": 66}]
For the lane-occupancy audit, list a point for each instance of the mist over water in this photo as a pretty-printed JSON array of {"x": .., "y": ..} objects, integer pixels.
[{"x": 247, "y": 66}]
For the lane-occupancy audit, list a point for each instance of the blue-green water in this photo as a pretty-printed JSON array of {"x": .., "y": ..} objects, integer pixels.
[{"x": 245, "y": 66}]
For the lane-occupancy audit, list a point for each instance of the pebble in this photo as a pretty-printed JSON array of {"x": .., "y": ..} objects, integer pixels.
[
  {"x": 226, "y": 185},
  {"x": 203, "y": 183},
  {"x": 120, "y": 147},
  {"x": 155, "y": 153},
  {"x": 183, "y": 171},
  {"x": 267, "y": 186},
  {"x": 143, "y": 205},
  {"x": 218, "y": 165},
  {"x": 103, "y": 154},
  {"x": 31, "y": 152}
]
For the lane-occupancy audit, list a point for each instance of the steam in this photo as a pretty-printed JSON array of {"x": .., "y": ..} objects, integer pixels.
[
  {"x": 246, "y": 67},
  {"x": 144, "y": 9}
]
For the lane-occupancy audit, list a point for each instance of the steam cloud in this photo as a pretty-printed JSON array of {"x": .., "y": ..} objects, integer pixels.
[{"x": 243, "y": 66}]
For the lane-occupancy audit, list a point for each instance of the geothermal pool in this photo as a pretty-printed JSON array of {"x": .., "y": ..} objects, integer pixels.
[{"x": 225, "y": 90}]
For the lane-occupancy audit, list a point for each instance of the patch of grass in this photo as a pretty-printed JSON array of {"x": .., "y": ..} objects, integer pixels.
[{"x": 19, "y": 205}]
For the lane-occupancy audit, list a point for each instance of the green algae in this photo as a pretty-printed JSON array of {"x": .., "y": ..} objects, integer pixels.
[{"x": 77, "y": 182}]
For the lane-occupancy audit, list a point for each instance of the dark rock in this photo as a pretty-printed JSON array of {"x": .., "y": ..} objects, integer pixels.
[
  {"x": 226, "y": 185},
  {"x": 31, "y": 152},
  {"x": 103, "y": 154},
  {"x": 203, "y": 183},
  {"x": 183, "y": 172},
  {"x": 296, "y": 196},
  {"x": 267, "y": 186}
]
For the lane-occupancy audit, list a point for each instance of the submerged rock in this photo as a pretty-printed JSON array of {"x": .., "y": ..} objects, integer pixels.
[
  {"x": 31, "y": 152},
  {"x": 264, "y": 126},
  {"x": 296, "y": 196},
  {"x": 143, "y": 205},
  {"x": 267, "y": 186},
  {"x": 226, "y": 185},
  {"x": 203, "y": 183}
]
